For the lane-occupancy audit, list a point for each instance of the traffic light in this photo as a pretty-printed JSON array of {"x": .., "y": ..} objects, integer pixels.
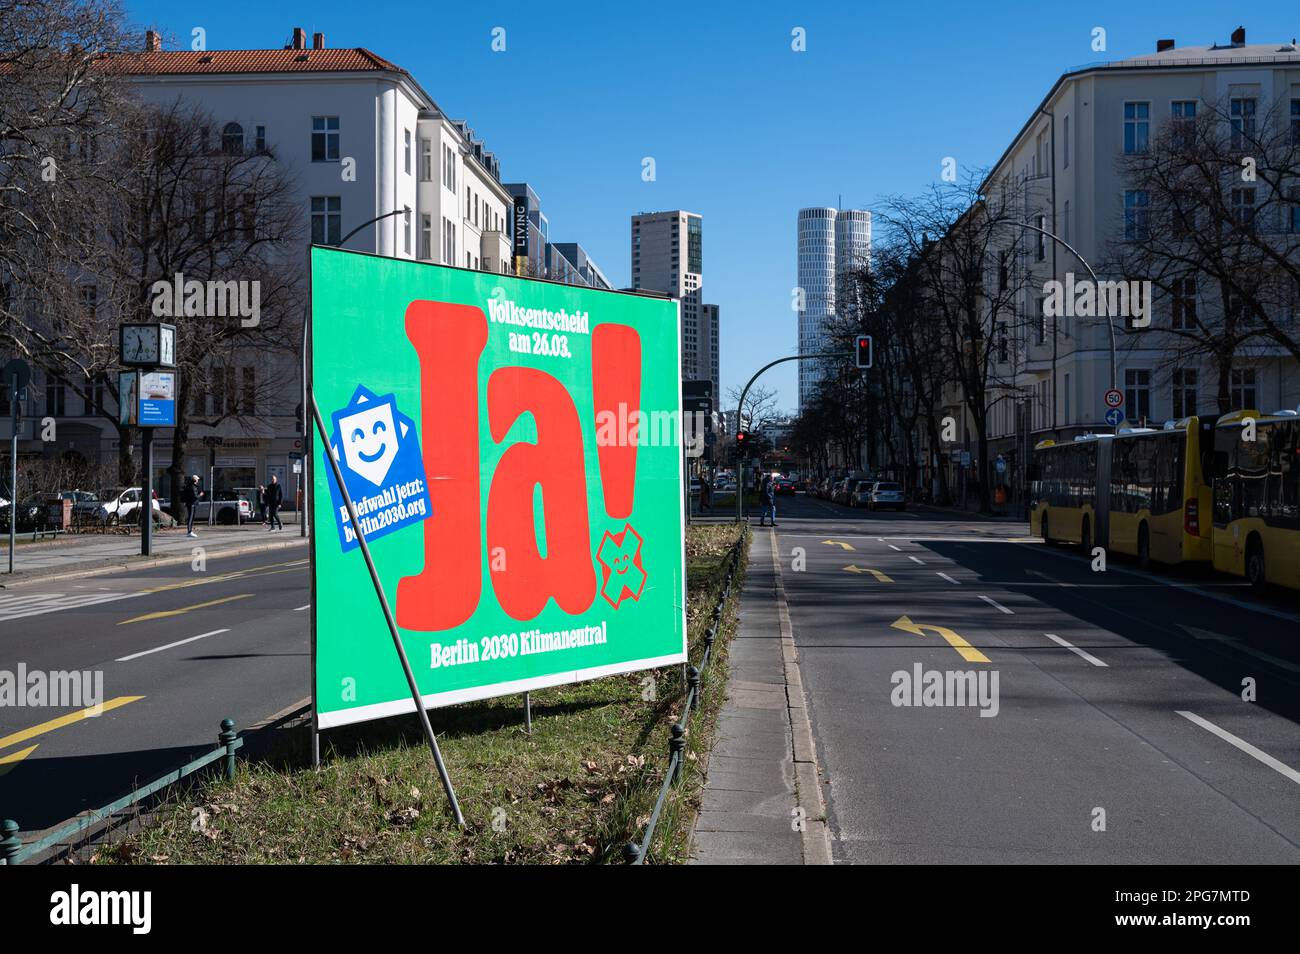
[
  {"x": 742, "y": 438},
  {"x": 862, "y": 351}
]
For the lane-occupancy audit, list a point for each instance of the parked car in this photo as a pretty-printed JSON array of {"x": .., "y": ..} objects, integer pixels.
[
  {"x": 229, "y": 508},
  {"x": 32, "y": 514},
  {"x": 861, "y": 495},
  {"x": 887, "y": 494},
  {"x": 785, "y": 487},
  {"x": 121, "y": 505},
  {"x": 840, "y": 494}
]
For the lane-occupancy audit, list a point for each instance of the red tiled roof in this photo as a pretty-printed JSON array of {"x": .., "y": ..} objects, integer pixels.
[{"x": 174, "y": 62}]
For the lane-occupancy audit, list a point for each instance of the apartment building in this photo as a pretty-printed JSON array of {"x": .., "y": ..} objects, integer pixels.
[
  {"x": 1065, "y": 166},
  {"x": 363, "y": 140},
  {"x": 668, "y": 257}
]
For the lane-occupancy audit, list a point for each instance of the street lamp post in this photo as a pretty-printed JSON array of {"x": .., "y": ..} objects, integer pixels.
[{"x": 740, "y": 416}]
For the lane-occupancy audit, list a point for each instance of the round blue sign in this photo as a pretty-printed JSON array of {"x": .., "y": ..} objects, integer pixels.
[{"x": 1114, "y": 417}]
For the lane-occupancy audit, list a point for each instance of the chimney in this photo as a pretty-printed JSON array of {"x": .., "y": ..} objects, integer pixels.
[
  {"x": 299, "y": 38},
  {"x": 1239, "y": 36},
  {"x": 152, "y": 41},
  {"x": 318, "y": 41},
  {"x": 1162, "y": 45}
]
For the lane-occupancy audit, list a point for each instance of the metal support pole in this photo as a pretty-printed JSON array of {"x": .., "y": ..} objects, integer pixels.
[
  {"x": 528, "y": 712},
  {"x": 388, "y": 617},
  {"x": 146, "y": 504},
  {"x": 227, "y": 737},
  {"x": 13, "y": 467},
  {"x": 10, "y": 844}
]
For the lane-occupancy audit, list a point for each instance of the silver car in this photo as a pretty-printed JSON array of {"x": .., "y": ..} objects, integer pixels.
[{"x": 886, "y": 495}]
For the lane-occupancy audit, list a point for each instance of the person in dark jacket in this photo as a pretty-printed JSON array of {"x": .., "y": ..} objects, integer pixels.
[
  {"x": 261, "y": 503},
  {"x": 190, "y": 495},
  {"x": 274, "y": 495},
  {"x": 767, "y": 499}
]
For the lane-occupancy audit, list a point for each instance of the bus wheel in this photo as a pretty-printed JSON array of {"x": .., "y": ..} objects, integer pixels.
[
  {"x": 1144, "y": 547},
  {"x": 1255, "y": 564},
  {"x": 1086, "y": 537}
]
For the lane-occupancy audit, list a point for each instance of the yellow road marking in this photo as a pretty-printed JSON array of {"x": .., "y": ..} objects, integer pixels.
[
  {"x": 968, "y": 652},
  {"x": 163, "y": 614},
  {"x": 840, "y": 543},
  {"x": 880, "y": 577},
  {"x": 267, "y": 570},
  {"x": 25, "y": 734},
  {"x": 7, "y": 762}
]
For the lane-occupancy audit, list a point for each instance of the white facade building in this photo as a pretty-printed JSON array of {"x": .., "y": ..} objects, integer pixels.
[
  {"x": 1064, "y": 161},
  {"x": 361, "y": 139},
  {"x": 831, "y": 244}
]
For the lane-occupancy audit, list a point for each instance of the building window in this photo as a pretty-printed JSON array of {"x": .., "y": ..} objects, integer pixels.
[
  {"x": 1066, "y": 399},
  {"x": 1040, "y": 249},
  {"x": 1241, "y": 114},
  {"x": 1065, "y": 221},
  {"x": 426, "y": 160},
  {"x": 1182, "y": 112},
  {"x": 406, "y": 154},
  {"x": 449, "y": 167},
  {"x": 406, "y": 229},
  {"x": 326, "y": 219},
  {"x": 324, "y": 139},
  {"x": 1040, "y": 320},
  {"x": 1244, "y": 394},
  {"x": 1295, "y": 122},
  {"x": 1137, "y": 204},
  {"x": 1293, "y": 207},
  {"x": 95, "y": 390},
  {"x": 448, "y": 242},
  {"x": 248, "y": 403},
  {"x": 1184, "y": 392},
  {"x": 56, "y": 394},
  {"x": 259, "y": 138},
  {"x": 426, "y": 236},
  {"x": 88, "y": 296},
  {"x": 1002, "y": 341},
  {"x": 232, "y": 139},
  {"x": 1243, "y": 208},
  {"x": 1183, "y": 296},
  {"x": 1137, "y": 126},
  {"x": 1137, "y": 393},
  {"x": 1065, "y": 157}
]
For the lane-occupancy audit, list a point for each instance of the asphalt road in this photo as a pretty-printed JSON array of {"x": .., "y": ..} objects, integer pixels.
[
  {"x": 178, "y": 649},
  {"x": 1121, "y": 737}
]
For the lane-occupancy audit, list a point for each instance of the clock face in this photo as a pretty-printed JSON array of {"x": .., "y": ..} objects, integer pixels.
[{"x": 140, "y": 344}]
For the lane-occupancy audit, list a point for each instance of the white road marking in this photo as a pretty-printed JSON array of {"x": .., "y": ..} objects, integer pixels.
[
  {"x": 996, "y": 605},
  {"x": 179, "y": 642},
  {"x": 898, "y": 549},
  {"x": 917, "y": 560},
  {"x": 1076, "y": 650},
  {"x": 948, "y": 578},
  {"x": 1242, "y": 744},
  {"x": 39, "y": 604},
  {"x": 299, "y": 609}
]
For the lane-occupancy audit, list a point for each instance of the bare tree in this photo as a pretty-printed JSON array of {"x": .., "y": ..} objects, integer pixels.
[{"x": 1216, "y": 230}]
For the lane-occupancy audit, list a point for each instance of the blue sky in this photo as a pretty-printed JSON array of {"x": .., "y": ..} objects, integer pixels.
[{"x": 743, "y": 130}]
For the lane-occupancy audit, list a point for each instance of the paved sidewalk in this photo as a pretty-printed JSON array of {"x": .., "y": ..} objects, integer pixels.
[
  {"x": 87, "y": 553},
  {"x": 752, "y": 791}
]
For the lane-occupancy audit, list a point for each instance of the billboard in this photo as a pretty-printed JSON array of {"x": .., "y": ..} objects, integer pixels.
[
  {"x": 146, "y": 398},
  {"x": 513, "y": 451}
]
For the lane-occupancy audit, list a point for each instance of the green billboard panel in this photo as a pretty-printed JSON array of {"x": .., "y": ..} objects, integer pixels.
[{"x": 513, "y": 451}]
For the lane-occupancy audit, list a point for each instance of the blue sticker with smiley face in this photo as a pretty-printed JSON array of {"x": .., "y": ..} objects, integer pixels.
[{"x": 378, "y": 452}]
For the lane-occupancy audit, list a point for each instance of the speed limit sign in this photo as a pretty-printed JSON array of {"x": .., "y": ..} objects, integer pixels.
[{"x": 1114, "y": 398}]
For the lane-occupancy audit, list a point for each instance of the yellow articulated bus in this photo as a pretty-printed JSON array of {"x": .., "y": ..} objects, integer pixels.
[
  {"x": 1065, "y": 504},
  {"x": 1256, "y": 513},
  {"x": 1159, "y": 499}
]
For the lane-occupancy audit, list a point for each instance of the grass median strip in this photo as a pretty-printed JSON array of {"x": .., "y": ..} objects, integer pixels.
[{"x": 575, "y": 791}]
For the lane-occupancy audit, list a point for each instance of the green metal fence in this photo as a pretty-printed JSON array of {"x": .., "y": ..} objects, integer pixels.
[
  {"x": 13, "y": 851},
  {"x": 635, "y": 852}
]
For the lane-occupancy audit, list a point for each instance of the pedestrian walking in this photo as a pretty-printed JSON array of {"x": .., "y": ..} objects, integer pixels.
[
  {"x": 706, "y": 494},
  {"x": 767, "y": 500},
  {"x": 274, "y": 494},
  {"x": 261, "y": 503},
  {"x": 190, "y": 495}
]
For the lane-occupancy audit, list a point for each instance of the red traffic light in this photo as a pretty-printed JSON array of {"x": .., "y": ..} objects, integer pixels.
[{"x": 862, "y": 351}]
